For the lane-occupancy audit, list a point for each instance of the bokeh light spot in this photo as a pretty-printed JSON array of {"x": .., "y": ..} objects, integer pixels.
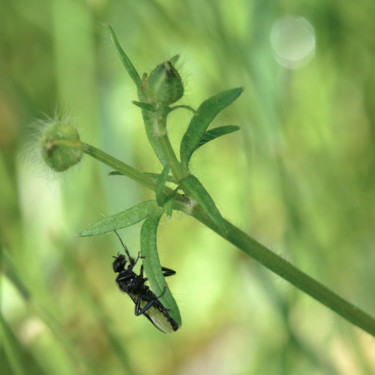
[{"x": 293, "y": 41}]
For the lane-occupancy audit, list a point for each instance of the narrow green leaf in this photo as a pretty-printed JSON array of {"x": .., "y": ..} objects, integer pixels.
[
  {"x": 156, "y": 176},
  {"x": 174, "y": 59},
  {"x": 169, "y": 200},
  {"x": 146, "y": 106},
  {"x": 193, "y": 188},
  {"x": 125, "y": 59},
  {"x": 182, "y": 106},
  {"x": 152, "y": 267},
  {"x": 122, "y": 219},
  {"x": 115, "y": 173},
  {"x": 160, "y": 196},
  {"x": 202, "y": 119},
  {"x": 168, "y": 205},
  {"x": 212, "y": 134},
  {"x": 153, "y": 176}
]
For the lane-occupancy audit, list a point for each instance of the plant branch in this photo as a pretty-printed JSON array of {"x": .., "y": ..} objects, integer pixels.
[
  {"x": 287, "y": 271},
  {"x": 119, "y": 166},
  {"x": 166, "y": 148},
  {"x": 153, "y": 94},
  {"x": 250, "y": 246}
]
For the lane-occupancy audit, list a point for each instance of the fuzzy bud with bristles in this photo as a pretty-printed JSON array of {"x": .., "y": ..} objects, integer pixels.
[
  {"x": 61, "y": 146},
  {"x": 164, "y": 85}
]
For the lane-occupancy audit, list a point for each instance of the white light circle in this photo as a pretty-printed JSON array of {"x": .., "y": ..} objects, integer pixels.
[{"x": 293, "y": 41}]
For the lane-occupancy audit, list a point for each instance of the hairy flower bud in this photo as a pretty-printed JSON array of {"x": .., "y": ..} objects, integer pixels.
[
  {"x": 164, "y": 85},
  {"x": 60, "y": 146}
]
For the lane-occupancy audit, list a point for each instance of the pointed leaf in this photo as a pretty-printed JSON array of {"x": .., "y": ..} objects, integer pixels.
[
  {"x": 146, "y": 106},
  {"x": 168, "y": 205},
  {"x": 115, "y": 173},
  {"x": 153, "y": 176},
  {"x": 122, "y": 219},
  {"x": 156, "y": 176},
  {"x": 174, "y": 59},
  {"x": 125, "y": 60},
  {"x": 160, "y": 195},
  {"x": 193, "y": 187},
  {"x": 152, "y": 267},
  {"x": 202, "y": 119},
  {"x": 212, "y": 134}
]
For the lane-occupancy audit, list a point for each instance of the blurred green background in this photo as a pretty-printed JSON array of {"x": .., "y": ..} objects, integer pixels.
[{"x": 299, "y": 177}]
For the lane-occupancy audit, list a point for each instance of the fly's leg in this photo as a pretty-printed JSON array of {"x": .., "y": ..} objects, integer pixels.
[
  {"x": 131, "y": 260},
  {"x": 168, "y": 271},
  {"x": 138, "y": 311},
  {"x": 137, "y": 259},
  {"x": 141, "y": 274}
]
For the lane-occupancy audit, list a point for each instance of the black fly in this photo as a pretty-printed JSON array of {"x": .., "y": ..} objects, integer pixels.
[{"x": 146, "y": 302}]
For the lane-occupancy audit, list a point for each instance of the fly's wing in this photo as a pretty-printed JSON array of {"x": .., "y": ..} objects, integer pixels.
[
  {"x": 155, "y": 314},
  {"x": 162, "y": 322}
]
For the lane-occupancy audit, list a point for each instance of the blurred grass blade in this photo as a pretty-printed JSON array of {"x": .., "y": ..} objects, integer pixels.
[
  {"x": 125, "y": 60},
  {"x": 193, "y": 187},
  {"x": 202, "y": 119},
  {"x": 122, "y": 219},
  {"x": 13, "y": 275},
  {"x": 152, "y": 267},
  {"x": 15, "y": 353},
  {"x": 160, "y": 195},
  {"x": 212, "y": 134},
  {"x": 61, "y": 339}
]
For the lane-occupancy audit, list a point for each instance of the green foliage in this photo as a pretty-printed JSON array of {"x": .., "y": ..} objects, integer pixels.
[
  {"x": 125, "y": 60},
  {"x": 162, "y": 88},
  {"x": 200, "y": 195},
  {"x": 202, "y": 118},
  {"x": 165, "y": 87},
  {"x": 212, "y": 134},
  {"x": 152, "y": 265},
  {"x": 145, "y": 106},
  {"x": 299, "y": 176},
  {"x": 121, "y": 220},
  {"x": 161, "y": 197}
]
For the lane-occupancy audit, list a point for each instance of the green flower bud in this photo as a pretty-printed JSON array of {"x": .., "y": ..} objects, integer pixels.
[
  {"x": 61, "y": 146},
  {"x": 164, "y": 85}
]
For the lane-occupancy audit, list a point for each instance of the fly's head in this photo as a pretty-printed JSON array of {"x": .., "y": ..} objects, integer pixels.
[{"x": 119, "y": 263}]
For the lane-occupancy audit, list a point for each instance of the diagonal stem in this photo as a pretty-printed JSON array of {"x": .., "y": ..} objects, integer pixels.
[
  {"x": 250, "y": 246},
  {"x": 289, "y": 272},
  {"x": 119, "y": 166}
]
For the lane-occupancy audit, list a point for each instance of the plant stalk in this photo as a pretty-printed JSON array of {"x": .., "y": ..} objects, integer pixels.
[
  {"x": 119, "y": 166},
  {"x": 178, "y": 172},
  {"x": 289, "y": 272},
  {"x": 250, "y": 246}
]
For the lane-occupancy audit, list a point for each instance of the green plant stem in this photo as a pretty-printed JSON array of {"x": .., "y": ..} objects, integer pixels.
[
  {"x": 287, "y": 271},
  {"x": 119, "y": 166},
  {"x": 247, "y": 244},
  {"x": 178, "y": 172}
]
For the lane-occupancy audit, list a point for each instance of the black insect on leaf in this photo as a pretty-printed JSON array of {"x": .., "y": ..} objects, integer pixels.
[{"x": 146, "y": 302}]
